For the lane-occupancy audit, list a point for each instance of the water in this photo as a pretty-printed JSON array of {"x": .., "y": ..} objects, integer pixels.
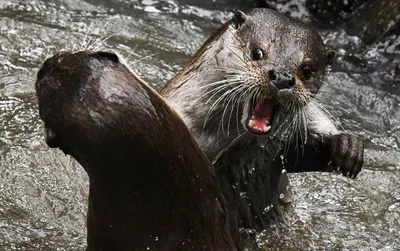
[{"x": 43, "y": 193}]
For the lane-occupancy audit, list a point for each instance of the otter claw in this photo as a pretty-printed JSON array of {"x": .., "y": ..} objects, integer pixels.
[{"x": 347, "y": 154}]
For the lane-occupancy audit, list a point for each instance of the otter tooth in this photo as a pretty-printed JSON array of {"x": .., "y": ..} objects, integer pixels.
[
  {"x": 266, "y": 128},
  {"x": 252, "y": 123}
]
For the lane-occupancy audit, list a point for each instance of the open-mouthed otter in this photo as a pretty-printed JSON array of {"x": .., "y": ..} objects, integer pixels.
[
  {"x": 248, "y": 97},
  {"x": 151, "y": 186}
]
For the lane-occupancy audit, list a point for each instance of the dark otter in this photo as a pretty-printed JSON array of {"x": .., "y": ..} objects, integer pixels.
[
  {"x": 248, "y": 97},
  {"x": 151, "y": 186}
]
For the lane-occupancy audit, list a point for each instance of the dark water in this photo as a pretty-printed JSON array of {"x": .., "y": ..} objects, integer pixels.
[{"x": 43, "y": 193}]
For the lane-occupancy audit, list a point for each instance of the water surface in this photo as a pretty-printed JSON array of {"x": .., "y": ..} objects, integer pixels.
[{"x": 43, "y": 193}]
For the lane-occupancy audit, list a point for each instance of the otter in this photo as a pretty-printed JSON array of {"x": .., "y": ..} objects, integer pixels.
[
  {"x": 248, "y": 97},
  {"x": 151, "y": 186}
]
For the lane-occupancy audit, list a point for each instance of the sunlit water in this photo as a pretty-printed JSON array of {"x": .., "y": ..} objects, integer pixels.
[{"x": 43, "y": 193}]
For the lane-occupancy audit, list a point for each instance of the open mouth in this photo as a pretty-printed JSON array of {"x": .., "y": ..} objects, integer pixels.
[{"x": 258, "y": 116}]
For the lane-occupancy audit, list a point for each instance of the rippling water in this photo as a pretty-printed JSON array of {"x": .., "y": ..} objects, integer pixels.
[{"x": 43, "y": 193}]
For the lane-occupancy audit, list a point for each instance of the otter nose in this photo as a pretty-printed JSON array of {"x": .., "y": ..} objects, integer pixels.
[{"x": 281, "y": 79}]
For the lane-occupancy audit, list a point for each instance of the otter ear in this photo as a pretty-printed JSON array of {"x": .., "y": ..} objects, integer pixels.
[
  {"x": 238, "y": 19},
  {"x": 330, "y": 57}
]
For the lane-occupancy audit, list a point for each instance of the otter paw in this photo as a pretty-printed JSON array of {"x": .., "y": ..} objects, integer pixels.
[{"x": 347, "y": 154}]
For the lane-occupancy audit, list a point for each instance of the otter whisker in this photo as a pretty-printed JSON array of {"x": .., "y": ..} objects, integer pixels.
[
  {"x": 238, "y": 64},
  {"x": 87, "y": 45},
  {"x": 239, "y": 100},
  {"x": 299, "y": 132},
  {"x": 213, "y": 106},
  {"x": 241, "y": 42},
  {"x": 220, "y": 83},
  {"x": 145, "y": 57},
  {"x": 131, "y": 53},
  {"x": 233, "y": 142},
  {"x": 244, "y": 94},
  {"x": 99, "y": 41},
  {"x": 223, "y": 95},
  {"x": 236, "y": 100},
  {"x": 87, "y": 33},
  {"x": 239, "y": 57},
  {"x": 218, "y": 89},
  {"x": 214, "y": 92},
  {"x": 229, "y": 100},
  {"x": 323, "y": 109},
  {"x": 286, "y": 127},
  {"x": 232, "y": 73},
  {"x": 228, "y": 70},
  {"x": 84, "y": 43}
]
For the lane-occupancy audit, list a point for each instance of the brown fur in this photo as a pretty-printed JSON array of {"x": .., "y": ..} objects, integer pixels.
[
  {"x": 217, "y": 89},
  {"x": 151, "y": 186}
]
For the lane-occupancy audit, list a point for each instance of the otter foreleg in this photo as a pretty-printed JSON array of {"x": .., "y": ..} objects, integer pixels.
[{"x": 339, "y": 152}]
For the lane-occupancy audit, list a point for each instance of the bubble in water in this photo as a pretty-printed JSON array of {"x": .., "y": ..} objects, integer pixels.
[
  {"x": 281, "y": 196},
  {"x": 243, "y": 195},
  {"x": 148, "y": 248},
  {"x": 156, "y": 238},
  {"x": 283, "y": 160},
  {"x": 267, "y": 209}
]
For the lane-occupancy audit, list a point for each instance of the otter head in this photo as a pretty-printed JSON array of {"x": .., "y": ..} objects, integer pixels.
[
  {"x": 283, "y": 63},
  {"x": 62, "y": 83}
]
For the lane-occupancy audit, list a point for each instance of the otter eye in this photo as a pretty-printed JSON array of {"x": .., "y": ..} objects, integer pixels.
[
  {"x": 307, "y": 71},
  {"x": 257, "y": 54}
]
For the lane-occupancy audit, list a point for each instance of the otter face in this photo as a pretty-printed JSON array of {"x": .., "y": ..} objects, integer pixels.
[{"x": 283, "y": 66}]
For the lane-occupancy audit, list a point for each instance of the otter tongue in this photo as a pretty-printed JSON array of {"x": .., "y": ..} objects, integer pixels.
[{"x": 261, "y": 116}]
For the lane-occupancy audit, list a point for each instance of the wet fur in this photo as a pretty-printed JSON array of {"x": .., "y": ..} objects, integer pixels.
[
  {"x": 151, "y": 186},
  {"x": 211, "y": 91}
]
